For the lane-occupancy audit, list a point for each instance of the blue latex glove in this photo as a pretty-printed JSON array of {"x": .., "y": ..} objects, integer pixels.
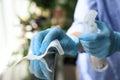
[
  {"x": 101, "y": 44},
  {"x": 40, "y": 42}
]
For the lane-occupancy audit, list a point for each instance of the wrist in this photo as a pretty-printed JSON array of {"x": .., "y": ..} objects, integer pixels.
[
  {"x": 80, "y": 48},
  {"x": 78, "y": 45}
]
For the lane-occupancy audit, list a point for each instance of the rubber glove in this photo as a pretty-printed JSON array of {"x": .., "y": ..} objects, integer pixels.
[
  {"x": 101, "y": 44},
  {"x": 40, "y": 42}
]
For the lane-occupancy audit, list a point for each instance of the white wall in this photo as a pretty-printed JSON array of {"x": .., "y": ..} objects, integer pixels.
[{"x": 8, "y": 39}]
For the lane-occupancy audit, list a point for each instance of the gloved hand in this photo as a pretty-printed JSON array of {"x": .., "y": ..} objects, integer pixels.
[
  {"x": 40, "y": 42},
  {"x": 102, "y": 44}
]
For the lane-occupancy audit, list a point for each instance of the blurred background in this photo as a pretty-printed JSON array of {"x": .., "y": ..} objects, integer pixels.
[{"x": 19, "y": 21}]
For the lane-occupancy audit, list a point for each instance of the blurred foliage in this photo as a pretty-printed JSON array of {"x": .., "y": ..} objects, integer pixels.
[
  {"x": 44, "y": 22},
  {"x": 44, "y": 3},
  {"x": 69, "y": 7}
]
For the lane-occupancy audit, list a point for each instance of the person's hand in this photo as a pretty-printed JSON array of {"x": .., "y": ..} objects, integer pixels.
[
  {"x": 102, "y": 44},
  {"x": 40, "y": 42}
]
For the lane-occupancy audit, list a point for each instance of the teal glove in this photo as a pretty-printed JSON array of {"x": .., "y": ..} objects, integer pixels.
[
  {"x": 101, "y": 44},
  {"x": 40, "y": 42}
]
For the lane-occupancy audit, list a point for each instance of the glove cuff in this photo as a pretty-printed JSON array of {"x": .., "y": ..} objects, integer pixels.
[{"x": 117, "y": 41}]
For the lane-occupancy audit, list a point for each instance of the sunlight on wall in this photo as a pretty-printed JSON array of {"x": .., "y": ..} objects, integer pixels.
[
  {"x": 2, "y": 40},
  {"x": 8, "y": 21}
]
